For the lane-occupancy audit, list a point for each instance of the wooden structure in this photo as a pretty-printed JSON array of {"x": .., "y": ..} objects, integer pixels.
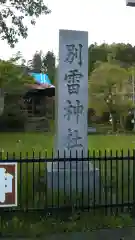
[
  {"x": 39, "y": 99},
  {"x": 39, "y": 103}
]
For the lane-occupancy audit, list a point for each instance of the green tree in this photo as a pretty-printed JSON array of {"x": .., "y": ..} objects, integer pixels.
[
  {"x": 124, "y": 54},
  {"x": 12, "y": 16},
  {"x": 49, "y": 65},
  {"x": 96, "y": 53},
  {"x": 36, "y": 63},
  {"x": 13, "y": 81},
  {"x": 108, "y": 90},
  {"x": 12, "y": 78}
]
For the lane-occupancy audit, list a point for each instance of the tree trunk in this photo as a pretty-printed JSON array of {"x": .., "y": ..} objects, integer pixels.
[
  {"x": 114, "y": 123},
  {"x": 1, "y": 101},
  {"x": 122, "y": 122}
]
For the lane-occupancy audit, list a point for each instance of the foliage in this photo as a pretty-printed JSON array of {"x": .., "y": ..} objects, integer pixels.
[
  {"x": 12, "y": 78},
  {"x": 43, "y": 63},
  {"x": 35, "y": 226},
  {"x": 36, "y": 63},
  {"x": 13, "y": 81},
  {"x": 108, "y": 89},
  {"x": 124, "y": 54},
  {"x": 49, "y": 65},
  {"x": 13, "y": 118},
  {"x": 12, "y": 16},
  {"x": 96, "y": 53},
  {"x": 18, "y": 58}
]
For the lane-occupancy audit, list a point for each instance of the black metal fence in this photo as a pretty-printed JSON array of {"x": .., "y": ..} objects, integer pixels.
[{"x": 103, "y": 180}]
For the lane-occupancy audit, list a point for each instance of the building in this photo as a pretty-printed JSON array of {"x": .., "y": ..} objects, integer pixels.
[
  {"x": 39, "y": 103},
  {"x": 39, "y": 95}
]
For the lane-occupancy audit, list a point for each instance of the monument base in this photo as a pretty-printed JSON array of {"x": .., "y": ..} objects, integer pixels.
[{"x": 75, "y": 179}]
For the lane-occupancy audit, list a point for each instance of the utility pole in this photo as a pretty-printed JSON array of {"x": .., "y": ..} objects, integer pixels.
[
  {"x": 133, "y": 95},
  {"x": 131, "y": 3}
]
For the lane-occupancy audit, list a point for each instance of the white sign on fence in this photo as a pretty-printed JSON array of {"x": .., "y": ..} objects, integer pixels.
[
  {"x": 8, "y": 184},
  {"x": 72, "y": 95}
]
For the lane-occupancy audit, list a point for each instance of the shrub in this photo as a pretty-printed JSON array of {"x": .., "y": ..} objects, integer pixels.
[{"x": 13, "y": 118}]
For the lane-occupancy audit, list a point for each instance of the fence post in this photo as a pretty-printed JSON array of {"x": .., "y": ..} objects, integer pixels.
[
  {"x": 133, "y": 209},
  {"x": 1, "y": 221}
]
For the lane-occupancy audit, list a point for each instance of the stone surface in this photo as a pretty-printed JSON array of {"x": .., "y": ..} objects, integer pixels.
[
  {"x": 71, "y": 139},
  {"x": 75, "y": 180},
  {"x": 72, "y": 94}
]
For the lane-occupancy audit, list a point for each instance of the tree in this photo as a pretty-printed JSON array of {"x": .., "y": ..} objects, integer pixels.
[
  {"x": 12, "y": 78},
  {"x": 97, "y": 53},
  {"x": 13, "y": 81},
  {"x": 12, "y": 15},
  {"x": 43, "y": 63},
  {"x": 36, "y": 63},
  {"x": 108, "y": 90},
  {"x": 49, "y": 65},
  {"x": 124, "y": 54}
]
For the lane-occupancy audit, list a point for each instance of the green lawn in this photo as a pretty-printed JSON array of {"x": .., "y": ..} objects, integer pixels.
[{"x": 28, "y": 143}]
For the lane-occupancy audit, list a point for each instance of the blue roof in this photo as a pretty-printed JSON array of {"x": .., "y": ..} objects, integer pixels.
[{"x": 41, "y": 78}]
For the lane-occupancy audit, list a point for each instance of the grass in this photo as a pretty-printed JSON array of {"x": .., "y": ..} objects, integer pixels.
[
  {"x": 115, "y": 175},
  {"x": 26, "y": 144},
  {"x": 29, "y": 143},
  {"x": 32, "y": 226}
]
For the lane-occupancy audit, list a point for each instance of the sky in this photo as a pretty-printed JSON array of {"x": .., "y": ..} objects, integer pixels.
[{"x": 105, "y": 20}]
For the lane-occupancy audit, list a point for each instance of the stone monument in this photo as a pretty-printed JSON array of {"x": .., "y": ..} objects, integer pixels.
[{"x": 71, "y": 117}]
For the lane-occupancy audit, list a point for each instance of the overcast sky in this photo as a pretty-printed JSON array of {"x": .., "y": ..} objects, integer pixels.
[{"x": 105, "y": 20}]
